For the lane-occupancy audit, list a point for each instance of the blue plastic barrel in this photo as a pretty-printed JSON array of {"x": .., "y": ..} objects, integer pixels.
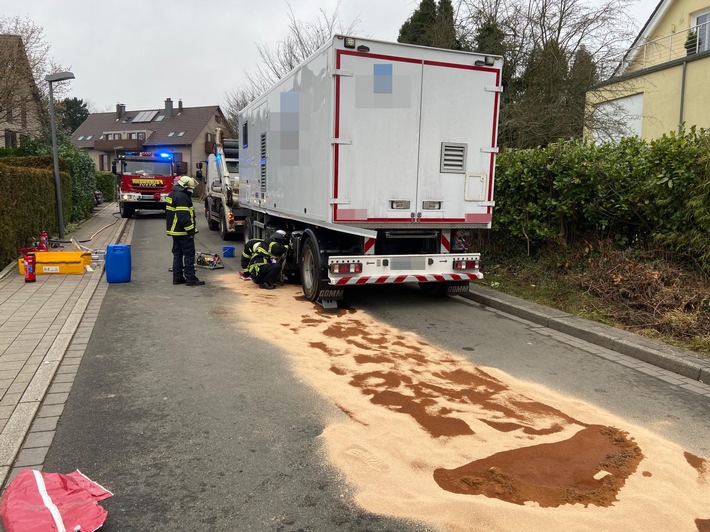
[
  {"x": 118, "y": 263},
  {"x": 228, "y": 251}
]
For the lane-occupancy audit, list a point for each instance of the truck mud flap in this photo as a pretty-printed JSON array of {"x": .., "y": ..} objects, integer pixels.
[
  {"x": 328, "y": 297},
  {"x": 455, "y": 288}
]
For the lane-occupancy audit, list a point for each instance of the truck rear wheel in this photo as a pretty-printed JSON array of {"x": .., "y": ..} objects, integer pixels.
[
  {"x": 223, "y": 226},
  {"x": 211, "y": 224},
  {"x": 248, "y": 231},
  {"x": 311, "y": 269}
]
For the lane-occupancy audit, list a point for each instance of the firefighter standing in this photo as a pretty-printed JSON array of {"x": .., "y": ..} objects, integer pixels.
[
  {"x": 247, "y": 254},
  {"x": 180, "y": 224},
  {"x": 265, "y": 265}
]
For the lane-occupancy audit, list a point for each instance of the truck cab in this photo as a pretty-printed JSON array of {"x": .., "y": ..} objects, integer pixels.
[{"x": 144, "y": 180}]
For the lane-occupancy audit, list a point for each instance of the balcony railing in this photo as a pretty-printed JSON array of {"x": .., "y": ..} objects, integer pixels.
[{"x": 664, "y": 49}]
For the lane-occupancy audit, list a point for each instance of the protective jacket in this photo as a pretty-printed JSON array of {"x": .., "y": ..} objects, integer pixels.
[
  {"x": 265, "y": 253},
  {"x": 180, "y": 214},
  {"x": 250, "y": 248}
]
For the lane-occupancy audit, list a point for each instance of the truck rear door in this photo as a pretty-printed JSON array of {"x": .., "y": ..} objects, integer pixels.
[
  {"x": 414, "y": 139},
  {"x": 378, "y": 100}
]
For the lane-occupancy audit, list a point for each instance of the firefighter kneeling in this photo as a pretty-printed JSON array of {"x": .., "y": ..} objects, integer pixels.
[{"x": 265, "y": 265}]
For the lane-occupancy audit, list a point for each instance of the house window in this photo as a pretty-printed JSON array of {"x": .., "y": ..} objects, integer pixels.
[
  {"x": 181, "y": 133},
  {"x": 141, "y": 136},
  {"x": 702, "y": 23},
  {"x": 8, "y": 118},
  {"x": 171, "y": 134},
  {"x": 81, "y": 138},
  {"x": 131, "y": 135},
  {"x": 89, "y": 137},
  {"x": 10, "y": 139},
  {"x": 116, "y": 136}
]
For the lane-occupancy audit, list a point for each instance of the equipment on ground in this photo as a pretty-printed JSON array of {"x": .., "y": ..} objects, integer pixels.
[
  {"x": 378, "y": 159},
  {"x": 211, "y": 261}
]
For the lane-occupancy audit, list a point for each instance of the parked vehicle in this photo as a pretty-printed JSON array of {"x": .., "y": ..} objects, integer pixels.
[
  {"x": 221, "y": 176},
  {"x": 144, "y": 180},
  {"x": 378, "y": 159}
]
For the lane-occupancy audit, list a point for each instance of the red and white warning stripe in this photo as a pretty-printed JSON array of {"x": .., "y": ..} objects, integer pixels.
[{"x": 389, "y": 279}]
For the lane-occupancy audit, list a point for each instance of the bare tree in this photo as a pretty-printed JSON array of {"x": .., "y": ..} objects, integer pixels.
[
  {"x": 543, "y": 42},
  {"x": 303, "y": 38},
  {"x": 37, "y": 50}
]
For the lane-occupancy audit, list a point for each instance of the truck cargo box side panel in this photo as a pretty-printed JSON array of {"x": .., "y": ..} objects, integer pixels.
[
  {"x": 377, "y": 119},
  {"x": 459, "y": 117},
  {"x": 286, "y": 166}
]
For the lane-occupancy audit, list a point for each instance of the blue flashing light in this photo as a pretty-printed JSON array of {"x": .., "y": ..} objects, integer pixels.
[{"x": 165, "y": 155}]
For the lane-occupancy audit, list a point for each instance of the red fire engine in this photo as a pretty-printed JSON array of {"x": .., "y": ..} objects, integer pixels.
[{"x": 144, "y": 180}]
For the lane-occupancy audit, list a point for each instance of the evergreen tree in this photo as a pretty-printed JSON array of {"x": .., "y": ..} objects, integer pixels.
[
  {"x": 417, "y": 29},
  {"x": 71, "y": 113}
]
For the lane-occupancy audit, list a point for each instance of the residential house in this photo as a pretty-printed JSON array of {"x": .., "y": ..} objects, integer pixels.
[
  {"x": 662, "y": 81},
  {"x": 20, "y": 101},
  {"x": 185, "y": 132}
]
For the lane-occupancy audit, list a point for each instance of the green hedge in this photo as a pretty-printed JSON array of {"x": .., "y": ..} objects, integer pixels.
[
  {"x": 106, "y": 183},
  {"x": 29, "y": 206},
  {"x": 636, "y": 193}
]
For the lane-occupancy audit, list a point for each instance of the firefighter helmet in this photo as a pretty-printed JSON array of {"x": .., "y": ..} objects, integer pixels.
[
  {"x": 280, "y": 237},
  {"x": 187, "y": 182}
]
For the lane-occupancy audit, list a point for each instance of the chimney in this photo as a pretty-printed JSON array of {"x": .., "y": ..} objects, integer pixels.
[
  {"x": 168, "y": 108},
  {"x": 180, "y": 105},
  {"x": 120, "y": 110}
]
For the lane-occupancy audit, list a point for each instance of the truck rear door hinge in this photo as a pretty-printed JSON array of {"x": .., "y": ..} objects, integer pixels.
[
  {"x": 489, "y": 150},
  {"x": 341, "y": 141},
  {"x": 339, "y": 201},
  {"x": 494, "y": 88},
  {"x": 345, "y": 73}
]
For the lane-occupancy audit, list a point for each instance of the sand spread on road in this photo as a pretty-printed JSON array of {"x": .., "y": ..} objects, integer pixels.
[{"x": 430, "y": 436}]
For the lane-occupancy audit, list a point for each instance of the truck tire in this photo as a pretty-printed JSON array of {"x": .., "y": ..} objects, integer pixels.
[
  {"x": 248, "y": 230},
  {"x": 126, "y": 210},
  {"x": 223, "y": 227},
  {"x": 434, "y": 289},
  {"x": 211, "y": 224},
  {"x": 311, "y": 269}
]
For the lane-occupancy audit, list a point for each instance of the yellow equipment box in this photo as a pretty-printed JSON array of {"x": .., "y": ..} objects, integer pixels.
[{"x": 64, "y": 262}]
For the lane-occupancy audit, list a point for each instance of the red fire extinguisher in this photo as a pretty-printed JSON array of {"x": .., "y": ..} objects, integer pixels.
[
  {"x": 43, "y": 241},
  {"x": 29, "y": 260}
]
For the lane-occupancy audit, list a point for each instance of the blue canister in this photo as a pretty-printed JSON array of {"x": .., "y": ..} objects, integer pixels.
[
  {"x": 228, "y": 251},
  {"x": 118, "y": 263}
]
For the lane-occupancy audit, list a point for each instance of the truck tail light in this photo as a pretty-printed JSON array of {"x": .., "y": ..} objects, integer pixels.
[
  {"x": 230, "y": 219},
  {"x": 466, "y": 264},
  {"x": 346, "y": 267}
]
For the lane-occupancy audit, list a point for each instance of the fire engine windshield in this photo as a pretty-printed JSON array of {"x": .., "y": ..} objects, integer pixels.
[
  {"x": 147, "y": 167},
  {"x": 233, "y": 167}
]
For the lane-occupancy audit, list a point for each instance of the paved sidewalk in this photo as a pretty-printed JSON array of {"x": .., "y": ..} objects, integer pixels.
[{"x": 44, "y": 327}]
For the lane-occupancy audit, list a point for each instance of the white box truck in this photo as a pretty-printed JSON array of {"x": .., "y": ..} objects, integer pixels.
[
  {"x": 221, "y": 178},
  {"x": 378, "y": 159}
]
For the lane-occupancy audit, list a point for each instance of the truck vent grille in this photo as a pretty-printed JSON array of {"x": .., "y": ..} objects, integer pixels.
[
  {"x": 263, "y": 163},
  {"x": 453, "y": 158}
]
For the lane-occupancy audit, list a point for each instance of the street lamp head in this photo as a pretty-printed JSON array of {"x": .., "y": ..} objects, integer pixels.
[{"x": 59, "y": 76}]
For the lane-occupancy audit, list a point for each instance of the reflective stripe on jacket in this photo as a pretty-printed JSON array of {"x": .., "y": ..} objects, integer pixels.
[{"x": 179, "y": 213}]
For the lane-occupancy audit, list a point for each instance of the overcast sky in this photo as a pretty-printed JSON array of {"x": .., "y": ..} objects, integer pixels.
[{"x": 141, "y": 52}]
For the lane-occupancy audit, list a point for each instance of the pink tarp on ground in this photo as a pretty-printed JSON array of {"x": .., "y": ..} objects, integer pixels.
[{"x": 45, "y": 502}]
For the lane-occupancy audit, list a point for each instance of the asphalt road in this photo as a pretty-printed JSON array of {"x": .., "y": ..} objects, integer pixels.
[
  {"x": 191, "y": 422},
  {"x": 194, "y": 424}
]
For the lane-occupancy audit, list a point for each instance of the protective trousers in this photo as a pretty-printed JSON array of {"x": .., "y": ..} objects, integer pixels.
[
  {"x": 184, "y": 258},
  {"x": 268, "y": 273}
]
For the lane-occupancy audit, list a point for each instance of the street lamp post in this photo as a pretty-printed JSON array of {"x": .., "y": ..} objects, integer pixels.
[{"x": 53, "y": 78}]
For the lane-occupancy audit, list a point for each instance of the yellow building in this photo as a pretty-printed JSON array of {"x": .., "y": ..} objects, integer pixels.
[{"x": 662, "y": 81}]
